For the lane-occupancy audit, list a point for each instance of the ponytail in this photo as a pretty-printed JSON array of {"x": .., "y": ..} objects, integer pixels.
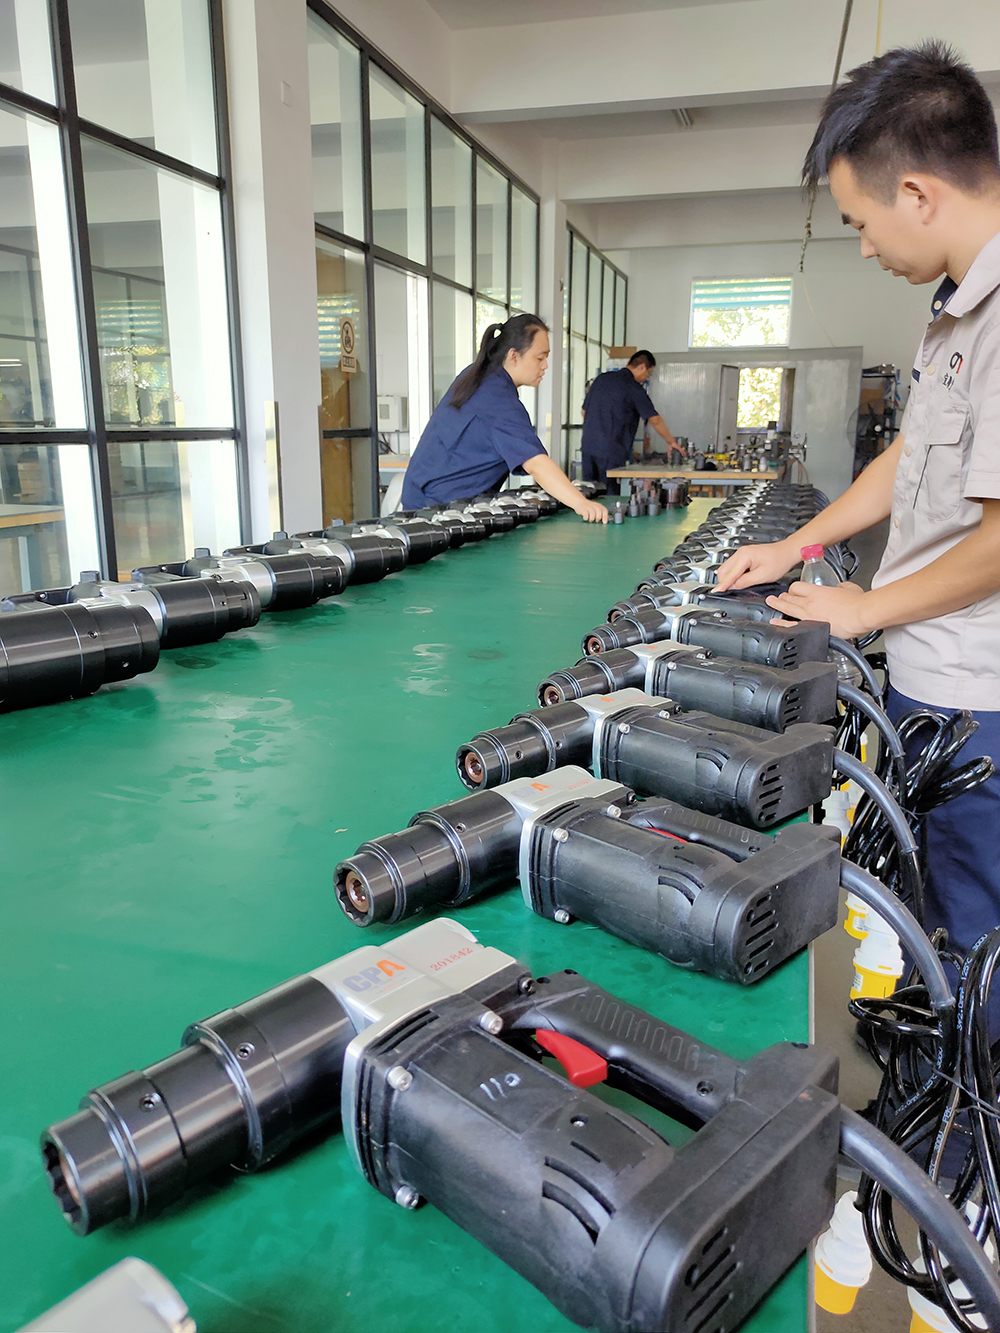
[{"x": 517, "y": 333}]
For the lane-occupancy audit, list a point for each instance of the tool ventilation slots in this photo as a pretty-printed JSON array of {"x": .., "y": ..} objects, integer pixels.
[
  {"x": 790, "y": 654},
  {"x": 768, "y": 794},
  {"x": 792, "y": 710},
  {"x": 709, "y": 1282},
  {"x": 762, "y": 921}
]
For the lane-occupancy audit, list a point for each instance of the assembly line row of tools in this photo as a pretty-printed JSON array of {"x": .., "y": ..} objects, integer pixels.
[
  {"x": 635, "y": 797},
  {"x": 99, "y": 631}
]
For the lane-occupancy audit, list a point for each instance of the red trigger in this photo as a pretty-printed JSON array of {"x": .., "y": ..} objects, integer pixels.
[{"x": 583, "y": 1066}]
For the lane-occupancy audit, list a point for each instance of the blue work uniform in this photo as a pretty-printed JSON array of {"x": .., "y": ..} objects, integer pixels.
[
  {"x": 471, "y": 449},
  {"x": 613, "y": 408}
]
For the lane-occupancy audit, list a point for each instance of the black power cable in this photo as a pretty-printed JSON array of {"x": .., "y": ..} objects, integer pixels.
[{"x": 931, "y": 779}]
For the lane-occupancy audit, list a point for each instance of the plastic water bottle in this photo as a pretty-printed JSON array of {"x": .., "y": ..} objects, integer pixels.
[{"x": 815, "y": 569}]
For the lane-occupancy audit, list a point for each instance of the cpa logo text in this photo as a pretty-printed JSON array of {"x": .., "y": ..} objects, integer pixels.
[{"x": 374, "y": 976}]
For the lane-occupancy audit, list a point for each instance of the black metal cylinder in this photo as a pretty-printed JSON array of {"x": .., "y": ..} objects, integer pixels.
[
  {"x": 447, "y": 856},
  {"x": 366, "y": 558},
  {"x": 65, "y": 652},
  {"x": 533, "y": 743},
  {"x": 203, "y": 610},
  {"x": 639, "y": 627},
  {"x": 247, "y": 1083},
  {"x": 302, "y": 578},
  {"x": 602, "y": 673}
]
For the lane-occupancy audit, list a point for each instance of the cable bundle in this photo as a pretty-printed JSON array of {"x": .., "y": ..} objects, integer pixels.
[
  {"x": 929, "y": 781},
  {"x": 938, "y": 1092}
]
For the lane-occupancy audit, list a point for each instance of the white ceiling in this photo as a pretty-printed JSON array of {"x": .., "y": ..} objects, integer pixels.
[
  {"x": 507, "y": 13},
  {"x": 625, "y": 124}
]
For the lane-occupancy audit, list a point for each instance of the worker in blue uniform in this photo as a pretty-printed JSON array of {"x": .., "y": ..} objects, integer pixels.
[
  {"x": 615, "y": 404},
  {"x": 480, "y": 432}
]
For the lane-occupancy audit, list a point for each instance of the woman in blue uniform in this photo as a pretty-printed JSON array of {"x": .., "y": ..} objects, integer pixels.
[{"x": 480, "y": 432}]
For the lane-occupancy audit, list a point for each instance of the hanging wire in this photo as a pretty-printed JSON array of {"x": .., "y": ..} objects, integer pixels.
[{"x": 807, "y": 233}]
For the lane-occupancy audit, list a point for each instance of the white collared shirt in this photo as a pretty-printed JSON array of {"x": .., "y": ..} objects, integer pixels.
[{"x": 950, "y": 462}]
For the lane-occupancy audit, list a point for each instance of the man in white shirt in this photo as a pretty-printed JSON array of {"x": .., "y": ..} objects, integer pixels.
[{"x": 909, "y": 145}]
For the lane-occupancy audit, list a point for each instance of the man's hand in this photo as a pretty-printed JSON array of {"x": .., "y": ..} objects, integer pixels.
[
  {"x": 663, "y": 430},
  {"x": 591, "y": 512},
  {"x": 757, "y": 564},
  {"x": 842, "y": 607}
]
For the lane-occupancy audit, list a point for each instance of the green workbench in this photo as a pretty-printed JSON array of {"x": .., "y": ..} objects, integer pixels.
[{"x": 168, "y": 847}]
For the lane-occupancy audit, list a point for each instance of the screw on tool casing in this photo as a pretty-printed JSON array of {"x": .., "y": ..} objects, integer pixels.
[
  {"x": 560, "y": 834},
  {"x": 491, "y": 1023},
  {"x": 407, "y": 1197},
  {"x": 561, "y": 915},
  {"x": 399, "y": 1078}
]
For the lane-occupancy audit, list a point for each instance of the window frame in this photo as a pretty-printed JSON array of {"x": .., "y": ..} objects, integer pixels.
[
  {"x": 730, "y": 277},
  {"x": 592, "y": 260},
  {"x": 97, "y": 434},
  {"x": 370, "y": 55}
]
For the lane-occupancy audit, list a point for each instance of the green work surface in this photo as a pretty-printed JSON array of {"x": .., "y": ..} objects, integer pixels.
[{"x": 168, "y": 847}]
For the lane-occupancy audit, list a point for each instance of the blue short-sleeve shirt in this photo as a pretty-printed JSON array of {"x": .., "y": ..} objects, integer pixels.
[
  {"x": 474, "y": 448},
  {"x": 614, "y": 405}
]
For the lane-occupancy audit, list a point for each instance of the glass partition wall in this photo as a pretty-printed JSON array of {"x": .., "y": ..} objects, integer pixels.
[
  {"x": 594, "y": 296},
  {"x": 423, "y": 239},
  {"x": 120, "y": 440}
]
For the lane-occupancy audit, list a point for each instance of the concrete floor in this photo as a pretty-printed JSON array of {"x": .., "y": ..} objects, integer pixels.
[{"x": 882, "y": 1306}]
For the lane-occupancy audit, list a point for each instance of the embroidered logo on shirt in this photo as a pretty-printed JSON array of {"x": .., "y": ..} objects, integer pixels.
[{"x": 950, "y": 375}]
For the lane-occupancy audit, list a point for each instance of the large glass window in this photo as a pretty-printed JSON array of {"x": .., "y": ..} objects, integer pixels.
[
  {"x": 25, "y": 48},
  {"x": 578, "y": 287},
  {"x": 491, "y": 232},
  {"x": 171, "y": 496},
  {"x": 401, "y": 367},
  {"x": 594, "y": 297},
  {"x": 342, "y": 310},
  {"x": 523, "y": 251},
  {"x": 608, "y": 308},
  {"x": 146, "y": 249},
  {"x": 48, "y": 530},
  {"x": 487, "y": 314},
  {"x": 41, "y": 380},
  {"x": 145, "y": 70},
  {"x": 159, "y": 292},
  {"x": 335, "y": 114},
  {"x": 593, "y": 323},
  {"x": 740, "y": 312},
  {"x": 399, "y": 221},
  {"x": 451, "y": 204},
  {"x": 452, "y": 336},
  {"x": 451, "y": 247}
]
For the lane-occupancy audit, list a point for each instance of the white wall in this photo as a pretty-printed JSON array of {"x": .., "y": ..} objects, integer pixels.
[
  {"x": 852, "y": 301},
  {"x": 272, "y": 179}
]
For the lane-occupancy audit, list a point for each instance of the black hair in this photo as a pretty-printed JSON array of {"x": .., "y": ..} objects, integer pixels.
[
  {"x": 917, "y": 109},
  {"x": 642, "y": 359},
  {"x": 518, "y": 333}
]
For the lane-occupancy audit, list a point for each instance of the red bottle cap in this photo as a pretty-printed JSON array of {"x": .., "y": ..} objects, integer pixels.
[{"x": 811, "y": 553}]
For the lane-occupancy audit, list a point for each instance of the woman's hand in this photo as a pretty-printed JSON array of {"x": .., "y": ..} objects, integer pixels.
[
  {"x": 591, "y": 512},
  {"x": 757, "y": 564}
]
